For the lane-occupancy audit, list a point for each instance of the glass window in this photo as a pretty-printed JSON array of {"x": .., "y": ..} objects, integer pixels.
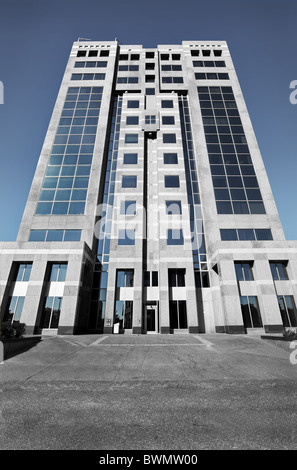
[
  {"x": 176, "y": 277},
  {"x": 170, "y": 158},
  {"x": 171, "y": 181},
  {"x": 279, "y": 270},
  {"x": 155, "y": 280},
  {"x": 246, "y": 234},
  {"x": 167, "y": 103},
  {"x": 14, "y": 309},
  {"x": 131, "y": 138},
  {"x": 24, "y": 271},
  {"x": 175, "y": 237},
  {"x": 168, "y": 120},
  {"x": 132, "y": 104},
  {"x": 37, "y": 235},
  {"x": 130, "y": 158},
  {"x": 125, "y": 278},
  {"x": 130, "y": 120},
  {"x": 228, "y": 234},
  {"x": 263, "y": 234},
  {"x": 169, "y": 138},
  {"x": 55, "y": 235},
  {"x": 58, "y": 272},
  {"x": 150, "y": 119},
  {"x": 244, "y": 271},
  {"x": 250, "y": 312},
  {"x": 129, "y": 181},
  {"x": 173, "y": 207},
  {"x": 178, "y": 314},
  {"x": 150, "y": 91},
  {"x": 146, "y": 279},
  {"x": 51, "y": 312},
  {"x": 126, "y": 237},
  {"x": 128, "y": 207},
  {"x": 72, "y": 235},
  {"x": 288, "y": 311}
]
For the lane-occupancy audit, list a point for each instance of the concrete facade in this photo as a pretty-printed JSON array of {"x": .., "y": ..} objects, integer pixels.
[{"x": 133, "y": 132}]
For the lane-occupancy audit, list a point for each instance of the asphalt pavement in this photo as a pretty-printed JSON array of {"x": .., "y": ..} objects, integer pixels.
[{"x": 162, "y": 392}]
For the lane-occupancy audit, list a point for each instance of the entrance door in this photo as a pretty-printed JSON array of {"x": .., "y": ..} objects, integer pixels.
[{"x": 151, "y": 318}]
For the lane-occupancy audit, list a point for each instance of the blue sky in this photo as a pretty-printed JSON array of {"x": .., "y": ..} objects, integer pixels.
[{"x": 36, "y": 37}]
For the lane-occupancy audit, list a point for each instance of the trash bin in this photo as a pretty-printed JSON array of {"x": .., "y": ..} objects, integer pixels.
[{"x": 116, "y": 328}]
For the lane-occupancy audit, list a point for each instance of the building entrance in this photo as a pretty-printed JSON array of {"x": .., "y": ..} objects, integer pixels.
[{"x": 151, "y": 319}]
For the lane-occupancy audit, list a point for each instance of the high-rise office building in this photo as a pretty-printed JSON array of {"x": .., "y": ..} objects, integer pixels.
[{"x": 150, "y": 209}]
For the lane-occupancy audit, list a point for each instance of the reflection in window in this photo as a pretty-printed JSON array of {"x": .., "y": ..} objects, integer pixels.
[
  {"x": 14, "y": 310},
  {"x": 124, "y": 314},
  {"x": 51, "y": 313},
  {"x": 125, "y": 278},
  {"x": 178, "y": 314},
  {"x": 24, "y": 271},
  {"x": 288, "y": 310},
  {"x": 176, "y": 277},
  {"x": 279, "y": 270},
  {"x": 250, "y": 312},
  {"x": 244, "y": 271},
  {"x": 58, "y": 272}
]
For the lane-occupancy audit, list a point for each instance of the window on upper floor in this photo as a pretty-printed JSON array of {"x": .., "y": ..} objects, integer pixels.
[
  {"x": 176, "y": 277},
  {"x": 149, "y": 55},
  {"x": 150, "y": 119},
  {"x": 170, "y": 158},
  {"x": 169, "y": 139},
  {"x": 150, "y": 66},
  {"x": 175, "y": 237},
  {"x": 168, "y": 120},
  {"x": 128, "y": 208},
  {"x": 244, "y": 270},
  {"x": 132, "y": 104},
  {"x": 167, "y": 103},
  {"x": 104, "y": 53},
  {"x": 171, "y": 181},
  {"x": 173, "y": 207},
  {"x": 125, "y": 278},
  {"x": 23, "y": 272},
  {"x": 129, "y": 181},
  {"x": 130, "y": 158},
  {"x": 150, "y": 78},
  {"x": 131, "y": 138},
  {"x": 58, "y": 272},
  {"x": 81, "y": 54},
  {"x": 130, "y": 120},
  {"x": 93, "y": 53},
  {"x": 279, "y": 270},
  {"x": 126, "y": 237}
]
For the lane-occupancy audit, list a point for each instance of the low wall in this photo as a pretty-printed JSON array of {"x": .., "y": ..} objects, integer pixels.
[{"x": 13, "y": 346}]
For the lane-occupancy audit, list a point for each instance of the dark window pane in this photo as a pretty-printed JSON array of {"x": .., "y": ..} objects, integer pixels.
[
  {"x": 170, "y": 158},
  {"x": 246, "y": 234},
  {"x": 171, "y": 181},
  {"x": 228, "y": 234},
  {"x": 130, "y": 158},
  {"x": 129, "y": 181}
]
